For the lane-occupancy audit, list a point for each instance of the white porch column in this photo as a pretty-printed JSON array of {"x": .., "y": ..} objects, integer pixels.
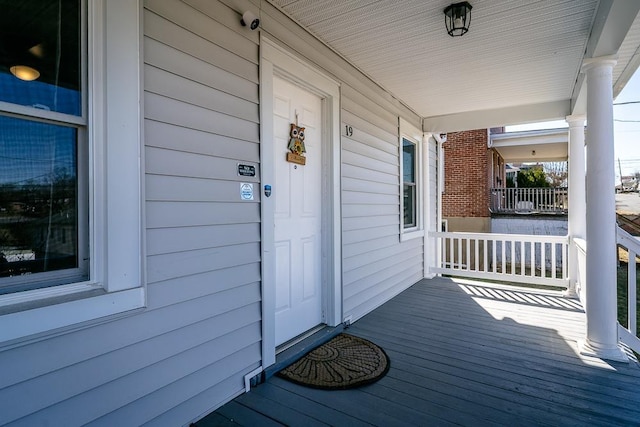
[
  {"x": 433, "y": 246},
  {"x": 601, "y": 304},
  {"x": 577, "y": 201},
  {"x": 428, "y": 249}
]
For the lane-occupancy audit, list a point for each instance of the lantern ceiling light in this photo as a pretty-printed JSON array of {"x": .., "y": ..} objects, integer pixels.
[{"x": 457, "y": 17}]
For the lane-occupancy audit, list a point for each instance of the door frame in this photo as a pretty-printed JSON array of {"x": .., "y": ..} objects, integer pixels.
[{"x": 275, "y": 61}]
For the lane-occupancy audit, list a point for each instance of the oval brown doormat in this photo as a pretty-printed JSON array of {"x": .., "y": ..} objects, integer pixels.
[{"x": 344, "y": 362}]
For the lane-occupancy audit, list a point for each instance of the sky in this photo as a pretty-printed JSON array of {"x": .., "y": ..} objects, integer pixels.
[
  {"x": 31, "y": 151},
  {"x": 626, "y": 127},
  {"x": 627, "y": 134}
]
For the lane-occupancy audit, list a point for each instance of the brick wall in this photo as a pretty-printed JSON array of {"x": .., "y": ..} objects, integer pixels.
[{"x": 466, "y": 175}]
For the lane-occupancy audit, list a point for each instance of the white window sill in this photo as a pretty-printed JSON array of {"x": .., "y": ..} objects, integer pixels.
[
  {"x": 408, "y": 235},
  {"x": 115, "y": 88},
  {"x": 32, "y": 322}
]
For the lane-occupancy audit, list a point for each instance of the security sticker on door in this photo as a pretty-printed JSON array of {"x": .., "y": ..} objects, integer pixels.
[{"x": 246, "y": 191}]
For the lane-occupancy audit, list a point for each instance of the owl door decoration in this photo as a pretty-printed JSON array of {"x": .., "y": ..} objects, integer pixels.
[{"x": 296, "y": 145}]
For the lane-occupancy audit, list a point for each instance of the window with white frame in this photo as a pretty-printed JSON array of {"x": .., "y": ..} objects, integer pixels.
[
  {"x": 66, "y": 256},
  {"x": 43, "y": 146},
  {"x": 411, "y": 181}
]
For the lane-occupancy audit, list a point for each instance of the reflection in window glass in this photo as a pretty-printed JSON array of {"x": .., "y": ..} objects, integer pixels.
[
  {"x": 39, "y": 209},
  {"x": 40, "y": 54},
  {"x": 409, "y": 183},
  {"x": 408, "y": 160},
  {"x": 43, "y": 191},
  {"x": 409, "y": 206}
]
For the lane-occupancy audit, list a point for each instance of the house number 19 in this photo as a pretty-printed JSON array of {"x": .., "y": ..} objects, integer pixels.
[{"x": 348, "y": 130}]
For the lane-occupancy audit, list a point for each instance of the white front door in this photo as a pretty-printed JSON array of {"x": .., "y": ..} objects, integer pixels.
[{"x": 298, "y": 212}]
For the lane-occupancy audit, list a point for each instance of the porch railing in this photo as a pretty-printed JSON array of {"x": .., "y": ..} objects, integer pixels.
[
  {"x": 629, "y": 334},
  {"x": 581, "y": 267},
  {"x": 529, "y": 200},
  {"x": 540, "y": 260}
]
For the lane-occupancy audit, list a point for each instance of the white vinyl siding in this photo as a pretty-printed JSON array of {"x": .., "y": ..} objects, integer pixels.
[
  {"x": 189, "y": 350},
  {"x": 201, "y": 82},
  {"x": 376, "y": 266}
]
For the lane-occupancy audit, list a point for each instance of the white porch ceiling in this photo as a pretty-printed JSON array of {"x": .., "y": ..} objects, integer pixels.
[
  {"x": 532, "y": 146},
  {"x": 521, "y": 56},
  {"x": 628, "y": 57}
]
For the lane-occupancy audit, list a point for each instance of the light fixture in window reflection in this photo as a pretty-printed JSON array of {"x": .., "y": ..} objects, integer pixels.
[
  {"x": 37, "y": 50},
  {"x": 24, "y": 72}
]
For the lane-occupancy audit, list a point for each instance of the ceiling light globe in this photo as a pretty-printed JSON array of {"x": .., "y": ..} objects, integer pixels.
[{"x": 24, "y": 72}]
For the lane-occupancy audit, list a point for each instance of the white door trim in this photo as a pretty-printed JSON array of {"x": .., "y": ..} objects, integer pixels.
[{"x": 275, "y": 61}]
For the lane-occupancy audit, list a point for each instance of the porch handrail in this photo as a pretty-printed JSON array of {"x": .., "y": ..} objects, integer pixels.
[
  {"x": 540, "y": 260},
  {"x": 629, "y": 334},
  {"x": 529, "y": 200}
]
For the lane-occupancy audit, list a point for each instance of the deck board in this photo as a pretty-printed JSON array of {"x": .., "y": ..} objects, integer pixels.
[
  {"x": 465, "y": 353},
  {"x": 311, "y": 408},
  {"x": 278, "y": 410}
]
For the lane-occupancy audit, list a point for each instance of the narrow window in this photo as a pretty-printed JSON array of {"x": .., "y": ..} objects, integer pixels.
[{"x": 409, "y": 183}]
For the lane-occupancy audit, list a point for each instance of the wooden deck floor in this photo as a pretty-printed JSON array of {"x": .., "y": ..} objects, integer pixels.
[{"x": 462, "y": 353}]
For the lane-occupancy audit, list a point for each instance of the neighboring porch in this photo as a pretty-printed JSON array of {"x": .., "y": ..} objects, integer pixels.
[
  {"x": 548, "y": 146},
  {"x": 549, "y": 201},
  {"x": 464, "y": 353}
]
